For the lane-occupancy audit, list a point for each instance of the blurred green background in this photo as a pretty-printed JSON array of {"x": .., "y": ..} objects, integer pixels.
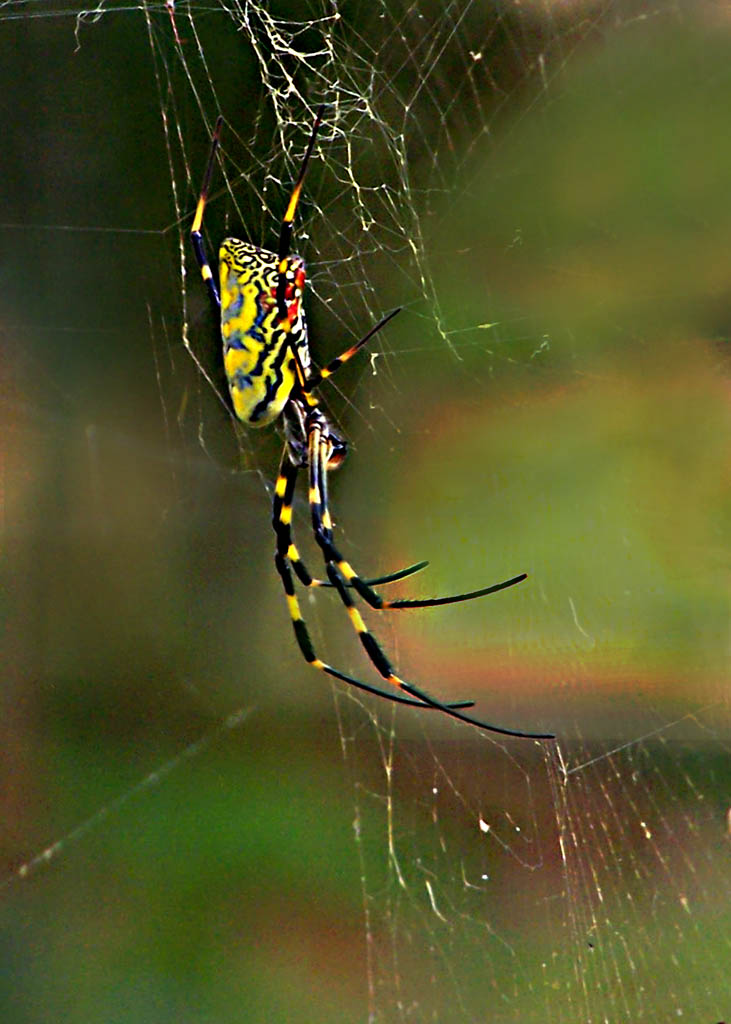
[{"x": 554, "y": 399}]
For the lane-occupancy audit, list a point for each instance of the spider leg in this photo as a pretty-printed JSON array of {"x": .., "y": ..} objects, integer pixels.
[
  {"x": 351, "y": 579},
  {"x": 304, "y": 642},
  {"x": 322, "y": 526},
  {"x": 282, "y": 527},
  {"x": 391, "y": 577},
  {"x": 363, "y": 586},
  {"x": 282, "y": 519},
  {"x": 317, "y": 376},
  {"x": 376, "y": 654},
  {"x": 196, "y": 236},
  {"x": 285, "y": 234},
  {"x": 434, "y": 602},
  {"x": 306, "y": 383}
]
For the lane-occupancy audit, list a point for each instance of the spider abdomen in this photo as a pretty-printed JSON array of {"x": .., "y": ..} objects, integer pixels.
[{"x": 258, "y": 345}]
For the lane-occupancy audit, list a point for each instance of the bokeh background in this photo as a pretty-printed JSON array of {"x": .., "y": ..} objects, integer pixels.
[{"x": 196, "y": 827}]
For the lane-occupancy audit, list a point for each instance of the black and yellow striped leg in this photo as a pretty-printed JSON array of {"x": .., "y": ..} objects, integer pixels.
[
  {"x": 285, "y": 234},
  {"x": 282, "y": 523},
  {"x": 307, "y": 649},
  {"x": 322, "y": 526},
  {"x": 319, "y": 512},
  {"x": 308, "y": 652},
  {"x": 286, "y": 554},
  {"x": 282, "y": 518},
  {"x": 371, "y": 597},
  {"x": 196, "y": 235},
  {"x": 317, "y": 376},
  {"x": 383, "y": 665}
]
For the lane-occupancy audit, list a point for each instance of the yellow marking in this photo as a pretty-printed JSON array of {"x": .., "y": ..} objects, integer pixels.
[
  {"x": 324, "y": 374},
  {"x": 242, "y": 406},
  {"x": 289, "y": 215},
  {"x": 206, "y": 272},
  {"x": 293, "y": 554},
  {"x": 294, "y": 608},
  {"x": 357, "y": 620},
  {"x": 280, "y": 486},
  {"x": 238, "y": 359},
  {"x": 316, "y": 663},
  {"x": 285, "y": 516},
  {"x": 395, "y": 681},
  {"x": 326, "y": 520},
  {"x": 347, "y": 570},
  {"x": 241, "y": 325},
  {"x": 198, "y": 219},
  {"x": 314, "y": 496}
]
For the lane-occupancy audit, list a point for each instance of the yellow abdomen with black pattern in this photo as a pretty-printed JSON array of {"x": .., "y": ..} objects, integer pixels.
[{"x": 258, "y": 346}]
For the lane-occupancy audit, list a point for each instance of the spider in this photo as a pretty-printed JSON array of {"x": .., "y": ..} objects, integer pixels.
[{"x": 267, "y": 363}]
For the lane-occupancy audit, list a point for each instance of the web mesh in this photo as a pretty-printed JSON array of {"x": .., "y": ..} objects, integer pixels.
[{"x": 196, "y": 828}]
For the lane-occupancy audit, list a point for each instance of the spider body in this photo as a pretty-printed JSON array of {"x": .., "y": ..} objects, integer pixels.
[
  {"x": 270, "y": 375},
  {"x": 258, "y": 351}
]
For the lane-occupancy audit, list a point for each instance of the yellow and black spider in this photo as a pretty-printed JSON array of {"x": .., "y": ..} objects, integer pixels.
[{"x": 266, "y": 358}]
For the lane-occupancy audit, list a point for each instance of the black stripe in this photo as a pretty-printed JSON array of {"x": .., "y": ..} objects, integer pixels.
[
  {"x": 275, "y": 381},
  {"x": 285, "y": 574},
  {"x": 376, "y": 655},
  {"x": 303, "y": 639}
]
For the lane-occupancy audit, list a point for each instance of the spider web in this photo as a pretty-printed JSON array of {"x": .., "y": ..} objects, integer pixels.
[{"x": 198, "y": 829}]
